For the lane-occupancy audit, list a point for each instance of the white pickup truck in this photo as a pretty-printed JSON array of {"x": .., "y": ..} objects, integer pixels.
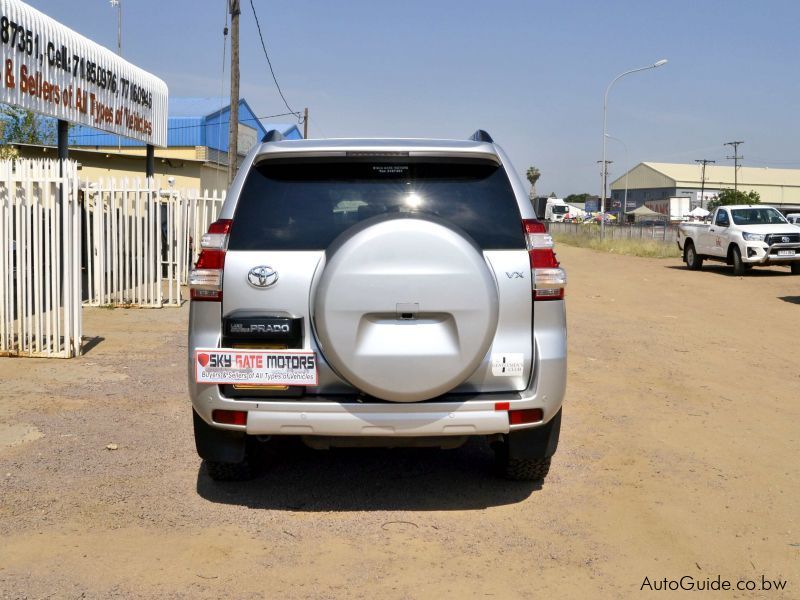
[{"x": 742, "y": 236}]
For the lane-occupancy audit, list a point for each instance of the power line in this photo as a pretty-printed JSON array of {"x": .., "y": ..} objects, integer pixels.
[{"x": 269, "y": 62}]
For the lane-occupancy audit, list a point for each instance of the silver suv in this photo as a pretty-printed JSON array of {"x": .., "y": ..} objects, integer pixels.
[{"x": 377, "y": 293}]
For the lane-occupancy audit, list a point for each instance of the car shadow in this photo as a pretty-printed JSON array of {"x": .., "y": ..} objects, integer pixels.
[
  {"x": 792, "y": 299},
  {"x": 727, "y": 271},
  {"x": 296, "y": 478}
]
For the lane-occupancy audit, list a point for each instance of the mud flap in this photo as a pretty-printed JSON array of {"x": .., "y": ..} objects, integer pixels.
[
  {"x": 537, "y": 442},
  {"x": 218, "y": 445}
]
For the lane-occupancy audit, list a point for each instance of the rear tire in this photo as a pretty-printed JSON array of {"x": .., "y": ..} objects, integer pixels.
[
  {"x": 693, "y": 261},
  {"x": 524, "y": 469},
  {"x": 736, "y": 259},
  {"x": 796, "y": 268},
  {"x": 226, "y": 454},
  {"x": 525, "y": 455}
]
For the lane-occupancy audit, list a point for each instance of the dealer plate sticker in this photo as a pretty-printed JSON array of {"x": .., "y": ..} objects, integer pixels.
[
  {"x": 508, "y": 365},
  {"x": 260, "y": 367}
]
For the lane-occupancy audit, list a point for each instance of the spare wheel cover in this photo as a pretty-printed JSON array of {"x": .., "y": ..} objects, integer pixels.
[{"x": 406, "y": 307}]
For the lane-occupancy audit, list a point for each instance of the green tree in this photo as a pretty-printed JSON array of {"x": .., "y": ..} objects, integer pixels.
[
  {"x": 727, "y": 197},
  {"x": 18, "y": 125},
  {"x": 576, "y": 198},
  {"x": 533, "y": 175}
]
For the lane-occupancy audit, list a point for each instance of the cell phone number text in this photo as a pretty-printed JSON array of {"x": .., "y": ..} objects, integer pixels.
[{"x": 16, "y": 36}]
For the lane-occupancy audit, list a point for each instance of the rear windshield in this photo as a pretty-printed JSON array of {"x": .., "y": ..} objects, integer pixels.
[
  {"x": 306, "y": 204},
  {"x": 757, "y": 216}
]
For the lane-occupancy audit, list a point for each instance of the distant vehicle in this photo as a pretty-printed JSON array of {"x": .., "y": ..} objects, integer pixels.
[
  {"x": 555, "y": 210},
  {"x": 551, "y": 209},
  {"x": 651, "y": 223},
  {"x": 793, "y": 218},
  {"x": 743, "y": 236}
]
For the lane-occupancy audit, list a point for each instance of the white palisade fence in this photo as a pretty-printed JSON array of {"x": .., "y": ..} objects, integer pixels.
[
  {"x": 140, "y": 240},
  {"x": 40, "y": 259},
  {"x": 64, "y": 244}
]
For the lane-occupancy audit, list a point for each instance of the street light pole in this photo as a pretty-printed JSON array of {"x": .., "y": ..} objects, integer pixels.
[
  {"x": 658, "y": 63},
  {"x": 624, "y": 207},
  {"x": 118, "y": 5}
]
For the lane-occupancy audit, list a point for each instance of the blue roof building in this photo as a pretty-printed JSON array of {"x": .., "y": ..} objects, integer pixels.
[
  {"x": 197, "y": 130},
  {"x": 194, "y": 122}
]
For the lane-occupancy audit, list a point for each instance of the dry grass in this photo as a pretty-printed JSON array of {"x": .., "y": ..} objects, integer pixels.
[{"x": 631, "y": 247}]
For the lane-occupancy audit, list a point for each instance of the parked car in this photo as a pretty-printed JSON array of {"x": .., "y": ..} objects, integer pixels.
[
  {"x": 742, "y": 236},
  {"x": 793, "y": 218},
  {"x": 377, "y": 292}
]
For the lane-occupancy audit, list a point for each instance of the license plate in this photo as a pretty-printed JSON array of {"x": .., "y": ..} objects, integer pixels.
[
  {"x": 255, "y": 367},
  {"x": 785, "y": 252}
]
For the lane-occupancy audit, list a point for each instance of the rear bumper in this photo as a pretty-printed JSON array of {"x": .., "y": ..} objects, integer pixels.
[
  {"x": 336, "y": 419},
  {"x": 454, "y": 415}
]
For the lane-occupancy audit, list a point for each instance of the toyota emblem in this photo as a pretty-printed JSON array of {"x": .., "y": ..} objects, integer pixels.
[
  {"x": 786, "y": 239},
  {"x": 262, "y": 276}
]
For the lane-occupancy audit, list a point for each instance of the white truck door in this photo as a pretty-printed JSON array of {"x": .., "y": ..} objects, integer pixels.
[{"x": 717, "y": 236}]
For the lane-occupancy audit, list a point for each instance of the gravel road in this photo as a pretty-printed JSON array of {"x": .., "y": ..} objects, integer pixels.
[{"x": 678, "y": 457}]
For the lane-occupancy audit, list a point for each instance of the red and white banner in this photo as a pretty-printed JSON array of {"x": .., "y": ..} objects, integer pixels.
[{"x": 255, "y": 367}]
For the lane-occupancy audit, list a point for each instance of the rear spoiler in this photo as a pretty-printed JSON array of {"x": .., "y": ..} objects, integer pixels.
[{"x": 481, "y": 136}]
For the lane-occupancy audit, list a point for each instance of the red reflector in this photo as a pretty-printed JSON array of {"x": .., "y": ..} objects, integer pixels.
[
  {"x": 230, "y": 417},
  {"x": 543, "y": 258},
  {"x": 527, "y": 415},
  {"x": 533, "y": 226},
  {"x": 221, "y": 226},
  {"x": 205, "y": 295},
  {"x": 211, "y": 259},
  {"x": 554, "y": 294},
  {"x": 502, "y": 405}
]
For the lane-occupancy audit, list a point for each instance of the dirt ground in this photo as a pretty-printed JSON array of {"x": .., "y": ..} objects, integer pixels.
[{"x": 678, "y": 457}]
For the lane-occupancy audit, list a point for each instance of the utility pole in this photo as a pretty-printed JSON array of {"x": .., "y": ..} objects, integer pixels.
[
  {"x": 305, "y": 124},
  {"x": 604, "y": 177},
  {"x": 233, "y": 125},
  {"x": 704, "y": 162},
  {"x": 736, "y": 158}
]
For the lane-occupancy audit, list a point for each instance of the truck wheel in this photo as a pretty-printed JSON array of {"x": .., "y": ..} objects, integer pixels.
[
  {"x": 796, "y": 268},
  {"x": 739, "y": 267},
  {"x": 693, "y": 261}
]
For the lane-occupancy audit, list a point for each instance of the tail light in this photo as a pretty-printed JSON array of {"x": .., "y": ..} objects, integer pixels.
[
  {"x": 205, "y": 280},
  {"x": 548, "y": 279}
]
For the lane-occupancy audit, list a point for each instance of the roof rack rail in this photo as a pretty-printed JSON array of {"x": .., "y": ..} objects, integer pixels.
[
  {"x": 481, "y": 136},
  {"x": 273, "y": 135}
]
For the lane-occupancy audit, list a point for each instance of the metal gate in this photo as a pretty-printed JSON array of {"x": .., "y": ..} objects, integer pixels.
[
  {"x": 140, "y": 241},
  {"x": 40, "y": 260}
]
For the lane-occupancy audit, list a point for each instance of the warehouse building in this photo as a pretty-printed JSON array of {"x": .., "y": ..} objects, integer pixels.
[{"x": 654, "y": 181}]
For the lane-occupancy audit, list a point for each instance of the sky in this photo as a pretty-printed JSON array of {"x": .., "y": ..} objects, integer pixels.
[{"x": 531, "y": 73}]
